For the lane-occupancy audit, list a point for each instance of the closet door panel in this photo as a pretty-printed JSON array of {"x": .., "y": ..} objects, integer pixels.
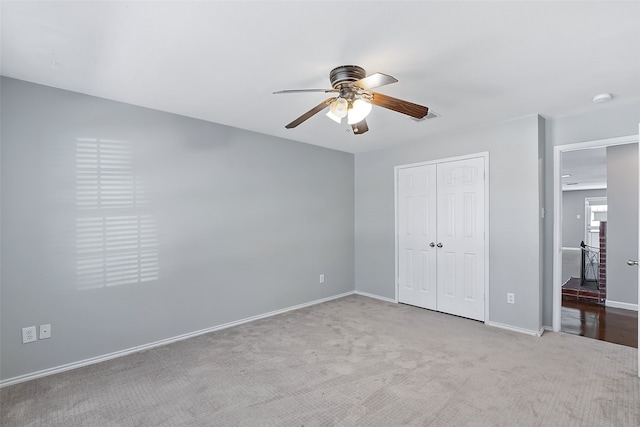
[
  {"x": 416, "y": 198},
  {"x": 460, "y": 231}
]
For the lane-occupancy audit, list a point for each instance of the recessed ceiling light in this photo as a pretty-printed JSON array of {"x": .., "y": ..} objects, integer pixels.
[
  {"x": 603, "y": 97},
  {"x": 566, "y": 175}
]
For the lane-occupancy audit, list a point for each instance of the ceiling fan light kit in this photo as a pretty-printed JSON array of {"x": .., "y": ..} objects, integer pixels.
[
  {"x": 358, "y": 111},
  {"x": 338, "y": 110},
  {"x": 355, "y": 99}
]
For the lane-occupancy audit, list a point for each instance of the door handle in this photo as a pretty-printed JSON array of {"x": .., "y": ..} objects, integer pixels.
[
  {"x": 432, "y": 244},
  {"x": 439, "y": 245},
  {"x": 632, "y": 262}
]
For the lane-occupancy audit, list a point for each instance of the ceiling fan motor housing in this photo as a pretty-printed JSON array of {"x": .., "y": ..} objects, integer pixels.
[{"x": 346, "y": 74}]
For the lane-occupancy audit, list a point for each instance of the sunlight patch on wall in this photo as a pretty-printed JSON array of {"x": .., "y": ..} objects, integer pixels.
[
  {"x": 105, "y": 176},
  {"x": 116, "y": 250},
  {"x": 116, "y": 236}
]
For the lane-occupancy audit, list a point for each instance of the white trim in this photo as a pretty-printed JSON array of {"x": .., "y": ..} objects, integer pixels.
[
  {"x": 443, "y": 160},
  {"x": 624, "y": 305},
  {"x": 516, "y": 329},
  {"x": 109, "y": 356},
  {"x": 378, "y": 297},
  {"x": 396, "y": 226},
  {"x": 557, "y": 217},
  {"x": 396, "y": 169},
  {"x": 584, "y": 187},
  {"x": 487, "y": 189},
  {"x": 587, "y": 214}
]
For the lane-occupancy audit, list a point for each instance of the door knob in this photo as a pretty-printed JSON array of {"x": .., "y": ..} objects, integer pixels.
[
  {"x": 439, "y": 245},
  {"x": 632, "y": 262},
  {"x": 432, "y": 244}
]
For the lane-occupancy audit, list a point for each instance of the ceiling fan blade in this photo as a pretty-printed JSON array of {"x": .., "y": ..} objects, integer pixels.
[
  {"x": 360, "y": 127},
  {"x": 324, "y": 104},
  {"x": 303, "y": 90},
  {"x": 395, "y": 104},
  {"x": 375, "y": 80}
]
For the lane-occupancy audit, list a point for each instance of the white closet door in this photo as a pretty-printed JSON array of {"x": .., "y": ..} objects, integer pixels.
[
  {"x": 417, "y": 236},
  {"x": 460, "y": 231}
]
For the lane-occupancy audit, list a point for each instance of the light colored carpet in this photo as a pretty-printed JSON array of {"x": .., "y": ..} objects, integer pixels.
[{"x": 352, "y": 361}]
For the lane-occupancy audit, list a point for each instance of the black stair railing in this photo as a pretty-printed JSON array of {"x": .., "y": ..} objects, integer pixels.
[{"x": 589, "y": 265}]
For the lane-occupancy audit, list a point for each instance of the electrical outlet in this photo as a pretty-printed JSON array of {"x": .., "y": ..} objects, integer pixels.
[
  {"x": 29, "y": 334},
  {"x": 322, "y": 278},
  {"x": 45, "y": 331},
  {"x": 511, "y": 298}
]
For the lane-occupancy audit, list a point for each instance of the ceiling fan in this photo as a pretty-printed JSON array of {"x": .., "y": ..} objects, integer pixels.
[{"x": 355, "y": 99}]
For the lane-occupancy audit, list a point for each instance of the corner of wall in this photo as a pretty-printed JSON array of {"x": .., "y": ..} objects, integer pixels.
[{"x": 542, "y": 209}]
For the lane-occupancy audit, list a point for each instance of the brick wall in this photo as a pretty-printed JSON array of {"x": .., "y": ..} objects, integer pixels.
[{"x": 602, "y": 270}]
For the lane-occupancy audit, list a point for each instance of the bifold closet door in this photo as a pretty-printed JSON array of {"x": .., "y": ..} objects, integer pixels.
[
  {"x": 416, "y": 212},
  {"x": 461, "y": 234}
]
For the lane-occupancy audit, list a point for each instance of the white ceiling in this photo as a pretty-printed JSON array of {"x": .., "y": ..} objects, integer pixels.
[
  {"x": 588, "y": 169},
  {"x": 472, "y": 62}
]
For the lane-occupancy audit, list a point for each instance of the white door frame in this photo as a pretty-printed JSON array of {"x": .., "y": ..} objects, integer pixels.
[
  {"x": 557, "y": 217},
  {"x": 485, "y": 156},
  {"x": 639, "y": 255}
]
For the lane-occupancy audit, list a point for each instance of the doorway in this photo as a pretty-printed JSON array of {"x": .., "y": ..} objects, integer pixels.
[
  {"x": 585, "y": 313},
  {"x": 595, "y": 212}
]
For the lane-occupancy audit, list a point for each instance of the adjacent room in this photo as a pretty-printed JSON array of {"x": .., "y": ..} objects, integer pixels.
[
  {"x": 346, "y": 213},
  {"x": 598, "y": 301}
]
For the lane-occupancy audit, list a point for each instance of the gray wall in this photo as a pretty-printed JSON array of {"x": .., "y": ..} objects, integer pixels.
[
  {"x": 573, "y": 229},
  {"x": 615, "y": 119},
  {"x": 246, "y": 224},
  {"x": 622, "y": 223},
  {"x": 542, "y": 147},
  {"x": 514, "y": 224}
]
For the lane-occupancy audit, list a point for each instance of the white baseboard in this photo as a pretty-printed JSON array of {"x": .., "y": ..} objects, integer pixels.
[
  {"x": 515, "y": 328},
  {"x": 618, "y": 304},
  {"x": 366, "y": 294},
  {"x": 105, "y": 357}
]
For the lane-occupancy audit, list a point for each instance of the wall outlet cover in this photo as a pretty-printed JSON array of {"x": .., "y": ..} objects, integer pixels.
[
  {"x": 29, "y": 334},
  {"x": 45, "y": 331}
]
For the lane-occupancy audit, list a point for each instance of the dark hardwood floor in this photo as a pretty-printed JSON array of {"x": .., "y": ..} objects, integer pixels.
[{"x": 603, "y": 323}]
